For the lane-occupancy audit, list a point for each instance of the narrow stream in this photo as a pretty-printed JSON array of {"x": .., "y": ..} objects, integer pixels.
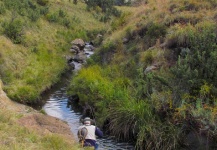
[{"x": 55, "y": 103}]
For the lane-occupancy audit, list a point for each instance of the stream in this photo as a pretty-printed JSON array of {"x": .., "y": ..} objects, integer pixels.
[{"x": 55, "y": 103}]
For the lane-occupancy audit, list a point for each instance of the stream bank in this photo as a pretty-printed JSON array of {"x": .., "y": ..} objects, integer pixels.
[{"x": 55, "y": 102}]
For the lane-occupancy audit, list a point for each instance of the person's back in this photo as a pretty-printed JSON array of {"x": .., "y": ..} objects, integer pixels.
[{"x": 90, "y": 133}]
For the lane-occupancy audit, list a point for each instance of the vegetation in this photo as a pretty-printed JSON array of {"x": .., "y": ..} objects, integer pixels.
[
  {"x": 15, "y": 136},
  {"x": 152, "y": 81},
  {"x": 159, "y": 84},
  {"x": 35, "y": 37}
]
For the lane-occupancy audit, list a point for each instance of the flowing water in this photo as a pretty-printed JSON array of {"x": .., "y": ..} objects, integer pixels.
[{"x": 55, "y": 103}]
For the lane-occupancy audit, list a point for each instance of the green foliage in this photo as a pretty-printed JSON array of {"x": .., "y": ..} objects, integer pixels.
[
  {"x": 43, "y": 2},
  {"x": 62, "y": 18},
  {"x": 105, "y": 54},
  {"x": 156, "y": 30},
  {"x": 44, "y": 10},
  {"x": 106, "y": 6},
  {"x": 14, "y": 30},
  {"x": 119, "y": 21},
  {"x": 26, "y": 8},
  {"x": 2, "y": 9},
  {"x": 52, "y": 17},
  {"x": 62, "y": 13},
  {"x": 24, "y": 94},
  {"x": 34, "y": 15},
  {"x": 199, "y": 66}
]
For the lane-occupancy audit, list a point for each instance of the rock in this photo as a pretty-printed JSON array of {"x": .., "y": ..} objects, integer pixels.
[
  {"x": 79, "y": 43},
  {"x": 74, "y": 49},
  {"x": 150, "y": 68},
  {"x": 80, "y": 57},
  {"x": 71, "y": 65},
  {"x": 125, "y": 40}
]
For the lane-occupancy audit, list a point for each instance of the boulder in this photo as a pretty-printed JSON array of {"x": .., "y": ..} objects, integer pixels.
[
  {"x": 79, "y": 43},
  {"x": 74, "y": 49},
  {"x": 80, "y": 57}
]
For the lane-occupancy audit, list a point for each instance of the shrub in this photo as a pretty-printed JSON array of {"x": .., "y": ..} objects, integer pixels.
[
  {"x": 14, "y": 30},
  {"x": 52, "y": 17},
  {"x": 43, "y": 2},
  {"x": 44, "y": 10},
  {"x": 2, "y": 9},
  {"x": 66, "y": 22},
  {"x": 199, "y": 65},
  {"x": 156, "y": 30},
  {"x": 34, "y": 15},
  {"x": 62, "y": 13}
]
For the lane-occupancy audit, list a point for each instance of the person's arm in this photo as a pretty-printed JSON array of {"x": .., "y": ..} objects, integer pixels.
[{"x": 98, "y": 132}]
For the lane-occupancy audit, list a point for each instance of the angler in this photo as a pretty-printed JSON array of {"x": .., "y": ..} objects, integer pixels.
[{"x": 87, "y": 134}]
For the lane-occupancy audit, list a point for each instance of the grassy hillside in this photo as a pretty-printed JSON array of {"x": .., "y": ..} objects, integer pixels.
[
  {"x": 35, "y": 38},
  {"x": 154, "y": 78},
  {"x": 24, "y": 128}
]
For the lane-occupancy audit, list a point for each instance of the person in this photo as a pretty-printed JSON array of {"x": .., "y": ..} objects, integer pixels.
[{"x": 87, "y": 133}]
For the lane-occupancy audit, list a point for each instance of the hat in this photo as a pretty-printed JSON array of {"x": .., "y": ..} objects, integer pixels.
[{"x": 87, "y": 121}]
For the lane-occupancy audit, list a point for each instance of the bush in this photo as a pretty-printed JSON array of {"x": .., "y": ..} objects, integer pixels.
[
  {"x": 66, "y": 22},
  {"x": 156, "y": 30},
  {"x": 34, "y": 15},
  {"x": 2, "y": 9},
  {"x": 43, "y": 2},
  {"x": 62, "y": 13},
  {"x": 199, "y": 65},
  {"x": 44, "y": 10},
  {"x": 14, "y": 30},
  {"x": 52, "y": 17}
]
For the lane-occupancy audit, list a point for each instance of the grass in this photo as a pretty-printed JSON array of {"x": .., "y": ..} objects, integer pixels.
[
  {"x": 159, "y": 33},
  {"x": 16, "y": 137},
  {"x": 29, "y": 68}
]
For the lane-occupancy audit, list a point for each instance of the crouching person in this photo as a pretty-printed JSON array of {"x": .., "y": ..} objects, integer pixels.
[{"x": 87, "y": 134}]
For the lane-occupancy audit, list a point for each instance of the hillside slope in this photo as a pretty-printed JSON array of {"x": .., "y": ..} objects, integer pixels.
[
  {"x": 35, "y": 39},
  {"x": 153, "y": 81},
  {"x": 24, "y": 128}
]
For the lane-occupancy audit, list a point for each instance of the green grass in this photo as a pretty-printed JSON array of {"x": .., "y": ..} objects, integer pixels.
[
  {"x": 166, "y": 34},
  {"x": 31, "y": 67}
]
